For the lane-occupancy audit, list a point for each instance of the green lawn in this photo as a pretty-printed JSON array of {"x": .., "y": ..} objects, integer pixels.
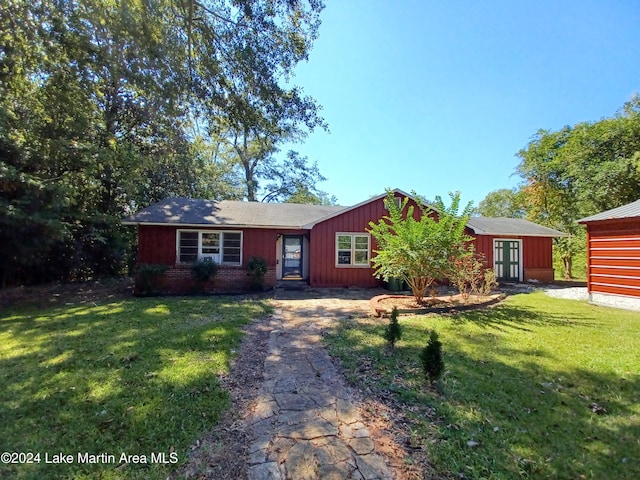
[
  {"x": 520, "y": 382},
  {"x": 136, "y": 376}
]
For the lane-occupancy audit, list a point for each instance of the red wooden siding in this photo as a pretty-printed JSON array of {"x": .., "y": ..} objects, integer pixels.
[
  {"x": 613, "y": 251},
  {"x": 157, "y": 244},
  {"x": 323, "y": 269},
  {"x": 537, "y": 255}
]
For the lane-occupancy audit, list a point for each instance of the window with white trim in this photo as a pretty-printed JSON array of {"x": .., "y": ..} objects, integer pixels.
[
  {"x": 352, "y": 249},
  {"x": 218, "y": 246}
]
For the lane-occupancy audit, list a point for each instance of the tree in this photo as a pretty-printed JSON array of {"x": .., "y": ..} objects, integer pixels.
[
  {"x": 101, "y": 112},
  {"x": 419, "y": 247},
  {"x": 581, "y": 170},
  {"x": 431, "y": 358},
  {"x": 503, "y": 202}
]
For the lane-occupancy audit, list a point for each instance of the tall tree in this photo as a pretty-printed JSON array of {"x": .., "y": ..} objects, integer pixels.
[
  {"x": 581, "y": 170},
  {"x": 98, "y": 102},
  {"x": 503, "y": 202}
]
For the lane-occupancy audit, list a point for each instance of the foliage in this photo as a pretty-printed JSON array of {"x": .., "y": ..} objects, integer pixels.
[
  {"x": 257, "y": 267},
  {"x": 431, "y": 358},
  {"x": 467, "y": 271},
  {"x": 489, "y": 282},
  {"x": 581, "y": 170},
  {"x": 108, "y": 107},
  {"x": 203, "y": 270},
  {"x": 130, "y": 375},
  {"x": 517, "y": 371},
  {"x": 503, "y": 202},
  {"x": 149, "y": 279},
  {"x": 393, "y": 331},
  {"x": 419, "y": 251}
]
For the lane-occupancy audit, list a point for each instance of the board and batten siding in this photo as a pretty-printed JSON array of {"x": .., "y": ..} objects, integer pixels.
[
  {"x": 613, "y": 250},
  {"x": 323, "y": 269},
  {"x": 537, "y": 255}
]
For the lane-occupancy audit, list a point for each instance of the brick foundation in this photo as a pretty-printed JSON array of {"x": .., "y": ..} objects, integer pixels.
[
  {"x": 542, "y": 275},
  {"x": 177, "y": 279}
]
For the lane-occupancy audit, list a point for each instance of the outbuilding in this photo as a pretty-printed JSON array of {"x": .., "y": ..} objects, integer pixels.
[{"x": 613, "y": 256}]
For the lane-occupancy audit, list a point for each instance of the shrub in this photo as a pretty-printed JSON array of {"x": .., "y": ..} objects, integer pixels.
[
  {"x": 489, "y": 282},
  {"x": 431, "y": 357},
  {"x": 467, "y": 272},
  {"x": 203, "y": 270},
  {"x": 149, "y": 279},
  {"x": 257, "y": 267},
  {"x": 393, "y": 331}
]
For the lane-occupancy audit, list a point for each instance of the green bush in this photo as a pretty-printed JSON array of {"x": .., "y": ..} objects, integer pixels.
[
  {"x": 203, "y": 270},
  {"x": 257, "y": 267},
  {"x": 149, "y": 279},
  {"x": 393, "y": 331},
  {"x": 431, "y": 358}
]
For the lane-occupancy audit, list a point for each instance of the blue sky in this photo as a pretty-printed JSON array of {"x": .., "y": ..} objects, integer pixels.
[{"x": 438, "y": 96}]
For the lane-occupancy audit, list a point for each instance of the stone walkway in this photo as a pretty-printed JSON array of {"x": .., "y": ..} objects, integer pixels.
[{"x": 306, "y": 424}]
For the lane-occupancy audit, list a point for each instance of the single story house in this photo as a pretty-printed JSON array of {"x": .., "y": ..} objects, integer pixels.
[
  {"x": 613, "y": 256},
  {"x": 324, "y": 246}
]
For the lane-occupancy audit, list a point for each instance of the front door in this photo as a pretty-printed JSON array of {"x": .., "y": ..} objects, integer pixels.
[
  {"x": 292, "y": 256},
  {"x": 507, "y": 260}
]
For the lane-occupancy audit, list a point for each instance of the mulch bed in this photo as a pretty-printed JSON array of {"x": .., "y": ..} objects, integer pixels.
[{"x": 383, "y": 304}]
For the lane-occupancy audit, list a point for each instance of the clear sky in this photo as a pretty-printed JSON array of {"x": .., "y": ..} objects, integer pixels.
[{"x": 437, "y": 96}]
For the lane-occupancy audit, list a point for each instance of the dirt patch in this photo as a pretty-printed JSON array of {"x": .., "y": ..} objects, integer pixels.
[{"x": 107, "y": 289}]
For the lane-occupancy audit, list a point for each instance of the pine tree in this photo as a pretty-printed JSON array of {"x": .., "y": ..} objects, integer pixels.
[
  {"x": 431, "y": 358},
  {"x": 393, "y": 332}
]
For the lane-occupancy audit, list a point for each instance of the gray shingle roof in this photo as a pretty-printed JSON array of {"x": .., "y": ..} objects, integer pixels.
[
  {"x": 511, "y": 226},
  {"x": 629, "y": 210},
  {"x": 188, "y": 211}
]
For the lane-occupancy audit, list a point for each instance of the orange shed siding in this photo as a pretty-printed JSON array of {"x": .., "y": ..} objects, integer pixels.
[{"x": 613, "y": 250}]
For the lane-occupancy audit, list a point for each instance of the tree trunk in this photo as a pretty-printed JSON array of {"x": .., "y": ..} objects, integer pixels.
[{"x": 568, "y": 264}]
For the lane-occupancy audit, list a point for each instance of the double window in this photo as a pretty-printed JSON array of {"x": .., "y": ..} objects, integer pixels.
[
  {"x": 352, "y": 249},
  {"x": 221, "y": 247}
]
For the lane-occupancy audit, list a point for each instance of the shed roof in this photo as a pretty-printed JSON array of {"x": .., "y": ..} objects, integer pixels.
[
  {"x": 229, "y": 213},
  {"x": 511, "y": 226},
  {"x": 630, "y": 210}
]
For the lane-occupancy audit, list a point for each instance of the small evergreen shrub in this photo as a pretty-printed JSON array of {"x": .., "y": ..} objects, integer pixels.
[
  {"x": 203, "y": 270},
  {"x": 393, "y": 331},
  {"x": 431, "y": 358},
  {"x": 149, "y": 279},
  {"x": 257, "y": 267}
]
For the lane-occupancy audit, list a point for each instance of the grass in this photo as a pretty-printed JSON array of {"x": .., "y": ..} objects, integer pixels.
[
  {"x": 519, "y": 390},
  {"x": 134, "y": 376}
]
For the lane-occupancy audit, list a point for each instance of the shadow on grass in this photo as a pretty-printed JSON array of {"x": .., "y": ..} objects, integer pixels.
[
  {"x": 138, "y": 376},
  {"x": 525, "y": 414}
]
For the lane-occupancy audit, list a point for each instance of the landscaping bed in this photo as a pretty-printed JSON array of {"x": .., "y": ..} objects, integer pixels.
[{"x": 382, "y": 305}]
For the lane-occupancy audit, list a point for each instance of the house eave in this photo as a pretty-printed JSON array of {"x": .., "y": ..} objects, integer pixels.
[{"x": 216, "y": 225}]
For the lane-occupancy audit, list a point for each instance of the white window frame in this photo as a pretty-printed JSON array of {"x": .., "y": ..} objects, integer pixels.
[
  {"x": 353, "y": 250},
  {"x": 201, "y": 255}
]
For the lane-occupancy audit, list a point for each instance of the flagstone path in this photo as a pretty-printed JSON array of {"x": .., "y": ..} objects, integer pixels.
[{"x": 305, "y": 424}]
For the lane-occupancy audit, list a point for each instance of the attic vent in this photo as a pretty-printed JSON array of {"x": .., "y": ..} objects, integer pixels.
[{"x": 398, "y": 202}]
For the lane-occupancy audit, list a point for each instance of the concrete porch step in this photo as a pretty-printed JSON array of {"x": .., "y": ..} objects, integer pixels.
[{"x": 295, "y": 284}]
